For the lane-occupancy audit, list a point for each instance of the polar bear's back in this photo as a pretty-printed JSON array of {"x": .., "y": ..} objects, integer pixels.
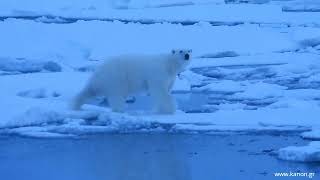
[
  {"x": 128, "y": 73},
  {"x": 131, "y": 64}
]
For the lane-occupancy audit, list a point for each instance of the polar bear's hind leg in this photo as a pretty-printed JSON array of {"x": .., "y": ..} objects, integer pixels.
[
  {"x": 81, "y": 98},
  {"x": 117, "y": 103}
]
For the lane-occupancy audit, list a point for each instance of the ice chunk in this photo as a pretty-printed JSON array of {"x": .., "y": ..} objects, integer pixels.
[
  {"x": 294, "y": 103},
  {"x": 314, "y": 134},
  {"x": 194, "y": 78},
  {"x": 223, "y": 86},
  {"x": 221, "y": 54},
  {"x": 38, "y": 93},
  {"x": 261, "y": 90},
  {"x": 51, "y": 66},
  {"x": 35, "y": 116},
  {"x": 313, "y": 42},
  {"x": 309, "y": 153},
  {"x": 28, "y": 66},
  {"x": 37, "y": 132}
]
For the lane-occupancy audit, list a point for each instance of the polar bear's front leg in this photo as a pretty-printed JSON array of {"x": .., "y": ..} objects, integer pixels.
[{"x": 164, "y": 102}]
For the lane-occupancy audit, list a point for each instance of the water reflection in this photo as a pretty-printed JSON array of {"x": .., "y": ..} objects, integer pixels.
[{"x": 151, "y": 159}]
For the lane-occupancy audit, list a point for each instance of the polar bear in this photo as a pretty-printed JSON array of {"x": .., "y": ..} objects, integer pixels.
[{"x": 127, "y": 75}]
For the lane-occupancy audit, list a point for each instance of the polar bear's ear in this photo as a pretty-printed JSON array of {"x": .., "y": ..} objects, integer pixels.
[{"x": 173, "y": 51}]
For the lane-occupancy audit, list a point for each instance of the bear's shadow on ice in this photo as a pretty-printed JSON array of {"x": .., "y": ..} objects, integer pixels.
[{"x": 186, "y": 102}]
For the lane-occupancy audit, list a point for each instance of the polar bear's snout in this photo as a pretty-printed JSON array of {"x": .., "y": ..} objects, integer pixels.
[{"x": 187, "y": 57}]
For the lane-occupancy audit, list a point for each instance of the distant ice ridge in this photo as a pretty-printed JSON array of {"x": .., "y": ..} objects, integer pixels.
[
  {"x": 302, "y": 6},
  {"x": 158, "y": 11},
  {"x": 161, "y": 3},
  {"x": 76, "y": 49},
  {"x": 92, "y": 5},
  {"x": 248, "y": 1}
]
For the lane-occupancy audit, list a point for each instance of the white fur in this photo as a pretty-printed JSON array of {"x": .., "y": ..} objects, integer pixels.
[{"x": 126, "y": 75}]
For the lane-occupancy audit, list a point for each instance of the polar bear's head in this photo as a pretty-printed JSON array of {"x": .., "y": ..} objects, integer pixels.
[
  {"x": 181, "y": 57},
  {"x": 183, "y": 54}
]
